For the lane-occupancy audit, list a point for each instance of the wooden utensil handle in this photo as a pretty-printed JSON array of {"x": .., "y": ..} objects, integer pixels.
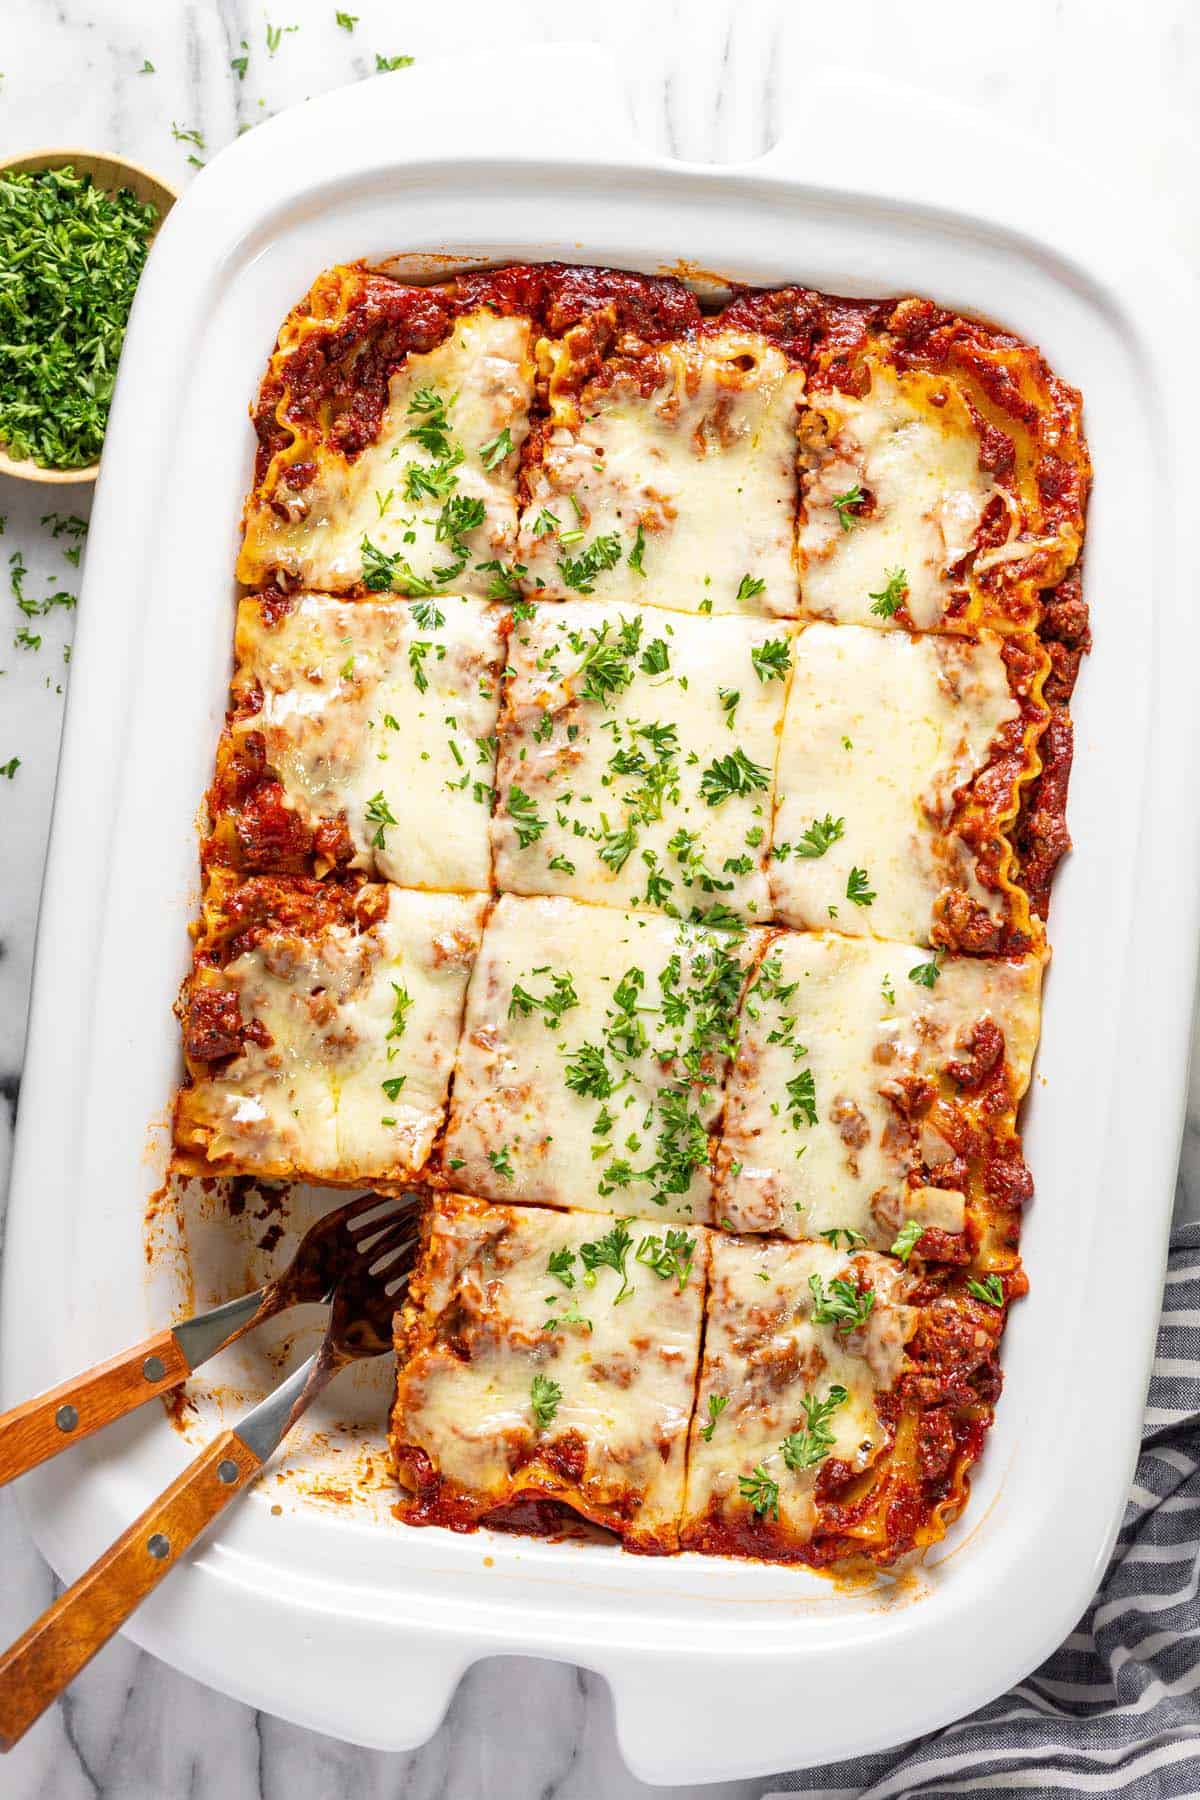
[
  {"x": 48, "y": 1657},
  {"x": 40, "y": 1428}
]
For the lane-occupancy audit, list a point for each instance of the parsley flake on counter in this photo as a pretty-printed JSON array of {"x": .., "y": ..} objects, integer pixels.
[
  {"x": 346, "y": 20},
  {"x": 385, "y": 63},
  {"x": 9, "y": 769}
]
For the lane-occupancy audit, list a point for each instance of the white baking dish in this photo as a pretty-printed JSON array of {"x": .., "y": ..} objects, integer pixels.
[{"x": 339, "y": 1618}]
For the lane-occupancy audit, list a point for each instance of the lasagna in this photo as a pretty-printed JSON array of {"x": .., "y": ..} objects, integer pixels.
[
  {"x": 549, "y": 1357},
  {"x": 633, "y": 826}
]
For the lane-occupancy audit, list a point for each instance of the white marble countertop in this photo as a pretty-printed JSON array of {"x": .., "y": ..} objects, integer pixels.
[{"x": 713, "y": 79}]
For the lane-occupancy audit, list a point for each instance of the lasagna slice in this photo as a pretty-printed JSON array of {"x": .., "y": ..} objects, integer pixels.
[
  {"x": 548, "y": 1357},
  {"x": 664, "y": 474},
  {"x": 592, "y": 1062},
  {"x": 362, "y": 736},
  {"x": 840, "y": 1407},
  {"x": 943, "y": 472},
  {"x": 390, "y": 425},
  {"x": 319, "y": 1027},
  {"x": 874, "y": 1095},
  {"x": 900, "y": 776},
  {"x": 637, "y": 757}
]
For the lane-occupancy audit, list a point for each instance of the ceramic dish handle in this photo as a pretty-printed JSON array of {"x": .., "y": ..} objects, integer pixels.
[
  {"x": 48, "y": 1657},
  {"x": 38, "y": 1429}
]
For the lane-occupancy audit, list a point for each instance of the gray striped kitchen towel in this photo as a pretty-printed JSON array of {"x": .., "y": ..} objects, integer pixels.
[{"x": 1116, "y": 1710}]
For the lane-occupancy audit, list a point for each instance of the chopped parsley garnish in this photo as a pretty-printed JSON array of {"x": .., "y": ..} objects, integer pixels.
[
  {"x": 858, "y": 888},
  {"x": 926, "y": 974},
  {"x": 805, "y": 1448},
  {"x": 716, "y": 1406},
  {"x": 634, "y": 559},
  {"x": 561, "y": 998},
  {"x": 379, "y": 813},
  {"x": 561, "y": 1265},
  {"x": 505, "y": 583},
  {"x": 749, "y": 586},
  {"x": 501, "y": 1161},
  {"x": 732, "y": 774},
  {"x": 523, "y": 812},
  {"x": 819, "y": 836},
  {"x": 990, "y": 1290},
  {"x": 846, "y": 505},
  {"x": 428, "y": 616},
  {"x": 587, "y": 1073},
  {"x": 544, "y": 1397},
  {"x": 618, "y": 847},
  {"x": 570, "y": 1315},
  {"x": 892, "y": 596},
  {"x": 760, "y": 1491},
  {"x": 802, "y": 1099},
  {"x": 729, "y": 698},
  {"x": 656, "y": 658},
  {"x": 669, "y": 1257},
  {"x": 854, "y": 1239},
  {"x": 580, "y": 572},
  {"x": 400, "y": 1010},
  {"x": 841, "y": 1305},
  {"x": 545, "y": 523},
  {"x": 72, "y": 255},
  {"x": 607, "y": 666},
  {"x": 608, "y": 1252},
  {"x": 906, "y": 1239},
  {"x": 495, "y": 451},
  {"x": 393, "y": 1084},
  {"x": 771, "y": 660}
]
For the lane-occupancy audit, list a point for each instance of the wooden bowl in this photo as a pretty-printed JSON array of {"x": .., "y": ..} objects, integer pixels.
[{"x": 111, "y": 173}]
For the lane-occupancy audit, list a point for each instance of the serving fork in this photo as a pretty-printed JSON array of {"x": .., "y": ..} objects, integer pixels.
[
  {"x": 363, "y": 1262},
  {"x": 38, "y": 1429}
]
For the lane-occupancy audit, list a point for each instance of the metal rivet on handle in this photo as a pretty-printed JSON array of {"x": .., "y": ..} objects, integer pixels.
[
  {"x": 228, "y": 1471},
  {"x": 153, "y": 1368},
  {"x": 66, "y": 1418},
  {"x": 158, "y": 1546}
]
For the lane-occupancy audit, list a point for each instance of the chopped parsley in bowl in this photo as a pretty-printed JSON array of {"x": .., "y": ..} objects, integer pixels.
[{"x": 72, "y": 249}]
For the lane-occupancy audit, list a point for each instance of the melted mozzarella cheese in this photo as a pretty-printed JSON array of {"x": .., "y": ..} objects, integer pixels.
[
  {"x": 880, "y": 731},
  {"x": 313, "y": 535},
  {"x": 844, "y": 1017},
  {"x": 625, "y": 1379},
  {"x": 383, "y": 713},
  {"x": 617, "y": 776},
  {"x": 520, "y": 1128},
  {"x": 698, "y": 450},
  {"x": 917, "y": 463},
  {"x": 344, "y": 1076},
  {"x": 763, "y": 1356}
]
